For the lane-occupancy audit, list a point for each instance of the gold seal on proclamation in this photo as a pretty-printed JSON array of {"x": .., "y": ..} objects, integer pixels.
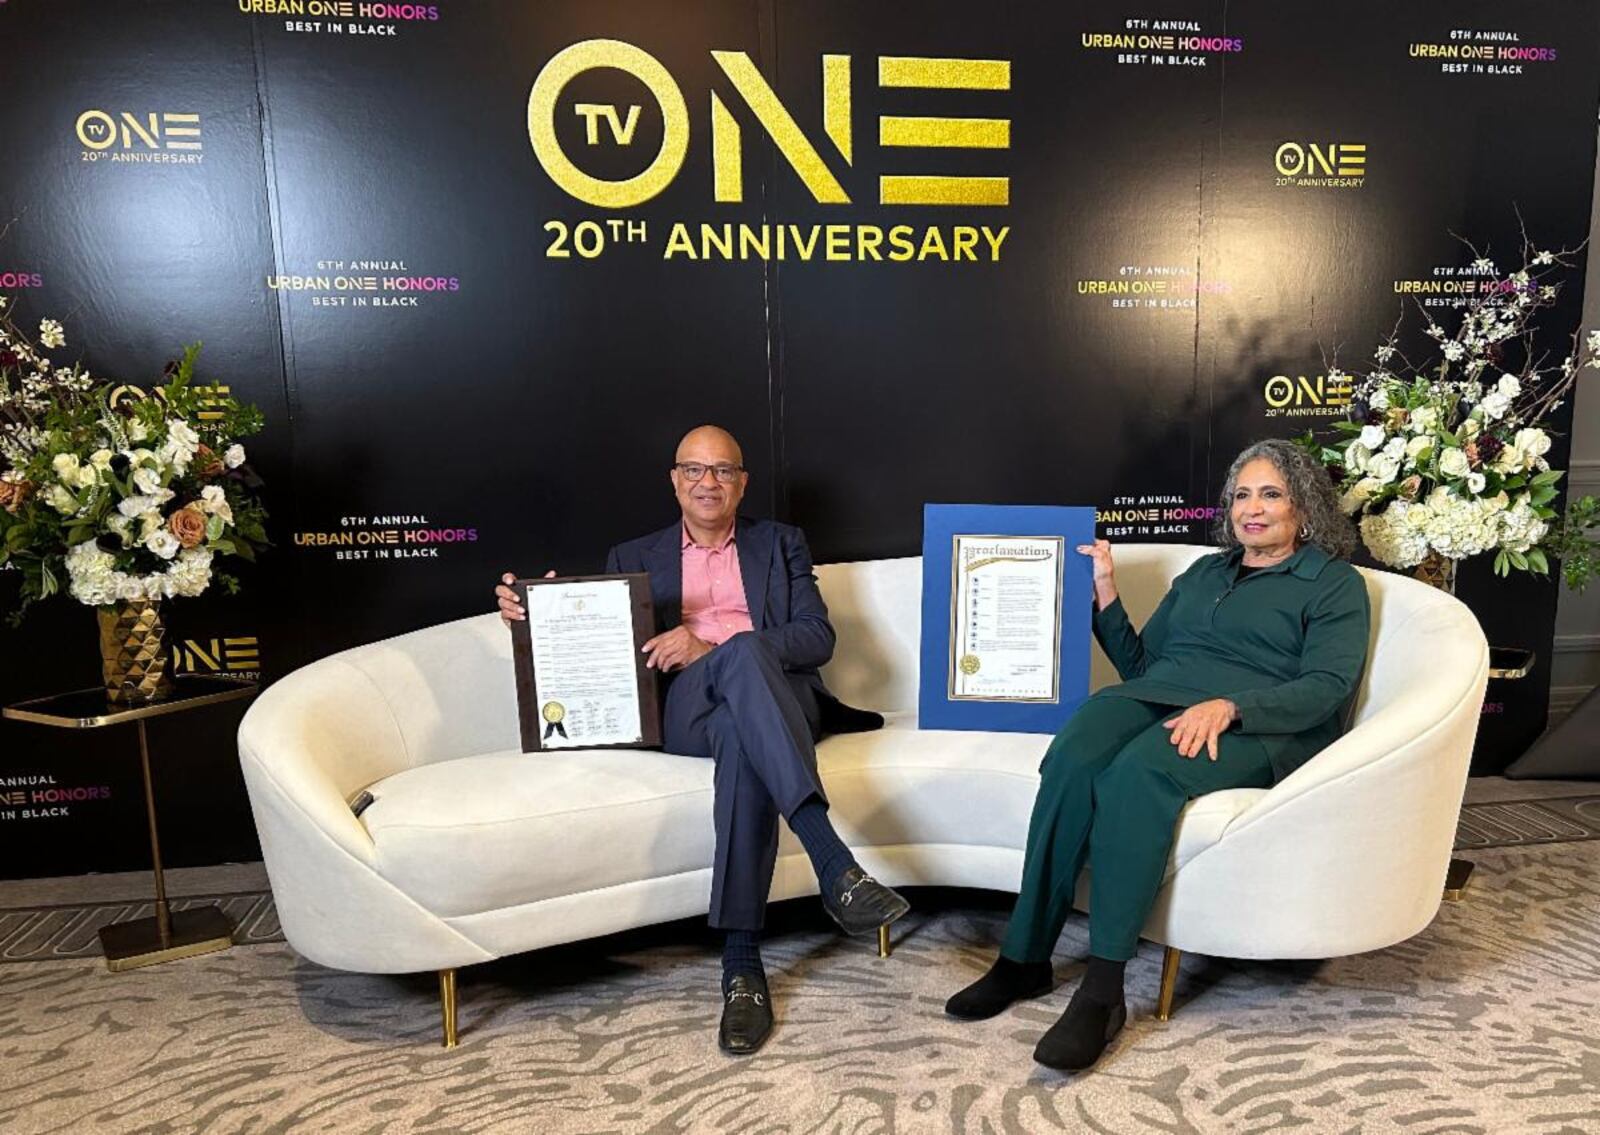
[{"x": 969, "y": 664}]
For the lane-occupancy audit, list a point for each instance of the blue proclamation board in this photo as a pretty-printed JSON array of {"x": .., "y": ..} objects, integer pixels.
[{"x": 996, "y": 579}]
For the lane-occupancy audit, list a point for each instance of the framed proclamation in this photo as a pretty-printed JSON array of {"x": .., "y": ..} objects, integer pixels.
[
  {"x": 581, "y": 678},
  {"x": 1006, "y": 603}
]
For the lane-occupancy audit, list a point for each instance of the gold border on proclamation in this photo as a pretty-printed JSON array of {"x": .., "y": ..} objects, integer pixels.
[{"x": 951, "y": 653}]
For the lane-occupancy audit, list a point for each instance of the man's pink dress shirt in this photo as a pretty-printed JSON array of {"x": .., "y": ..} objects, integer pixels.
[{"x": 714, "y": 606}]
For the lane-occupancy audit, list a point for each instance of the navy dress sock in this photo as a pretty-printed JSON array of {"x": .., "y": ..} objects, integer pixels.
[
  {"x": 830, "y": 858},
  {"x": 741, "y": 954}
]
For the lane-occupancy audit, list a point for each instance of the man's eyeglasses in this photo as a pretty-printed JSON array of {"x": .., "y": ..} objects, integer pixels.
[{"x": 693, "y": 471}]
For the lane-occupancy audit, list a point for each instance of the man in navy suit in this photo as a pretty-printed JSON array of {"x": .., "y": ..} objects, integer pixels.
[{"x": 741, "y": 631}]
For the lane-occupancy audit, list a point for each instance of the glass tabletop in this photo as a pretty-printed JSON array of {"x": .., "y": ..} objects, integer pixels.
[{"x": 90, "y": 709}]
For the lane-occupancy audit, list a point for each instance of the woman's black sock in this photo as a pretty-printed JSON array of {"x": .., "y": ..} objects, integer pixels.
[{"x": 1102, "y": 981}]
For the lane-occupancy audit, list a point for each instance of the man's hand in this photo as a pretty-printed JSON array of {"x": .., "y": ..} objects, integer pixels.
[
  {"x": 510, "y": 610},
  {"x": 1199, "y": 726},
  {"x": 675, "y": 650}
]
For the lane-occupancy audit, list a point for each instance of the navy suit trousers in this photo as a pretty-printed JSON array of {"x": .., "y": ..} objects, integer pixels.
[{"x": 760, "y": 725}]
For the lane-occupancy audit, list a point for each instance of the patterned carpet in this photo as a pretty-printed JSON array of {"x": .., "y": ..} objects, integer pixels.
[
  {"x": 48, "y": 933},
  {"x": 1483, "y": 1023},
  {"x": 1513, "y": 822}
]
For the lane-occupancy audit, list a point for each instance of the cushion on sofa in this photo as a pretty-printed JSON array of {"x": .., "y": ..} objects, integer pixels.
[{"x": 501, "y": 829}]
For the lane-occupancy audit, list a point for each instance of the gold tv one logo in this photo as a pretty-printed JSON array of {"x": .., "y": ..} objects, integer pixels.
[
  {"x": 99, "y": 130},
  {"x": 209, "y": 396},
  {"x": 1321, "y": 159},
  {"x": 216, "y": 655},
  {"x": 799, "y": 150},
  {"x": 1283, "y": 391}
]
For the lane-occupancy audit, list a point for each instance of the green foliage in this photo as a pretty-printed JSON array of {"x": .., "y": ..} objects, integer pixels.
[{"x": 1569, "y": 543}]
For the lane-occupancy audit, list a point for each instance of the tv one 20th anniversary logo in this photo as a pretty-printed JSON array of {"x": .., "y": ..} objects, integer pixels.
[{"x": 980, "y": 239}]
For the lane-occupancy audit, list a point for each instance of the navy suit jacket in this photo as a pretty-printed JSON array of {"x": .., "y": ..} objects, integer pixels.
[{"x": 780, "y": 588}]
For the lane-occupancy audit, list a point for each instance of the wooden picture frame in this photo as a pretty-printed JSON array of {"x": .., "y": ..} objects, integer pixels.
[{"x": 530, "y": 718}]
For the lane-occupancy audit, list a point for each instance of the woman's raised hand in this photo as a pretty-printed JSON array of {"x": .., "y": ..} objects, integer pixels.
[{"x": 1105, "y": 582}]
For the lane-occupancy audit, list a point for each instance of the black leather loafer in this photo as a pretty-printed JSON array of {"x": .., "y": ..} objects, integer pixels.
[
  {"x": 1076, "y": 1041},
  {"x": 746, "y": 1015},
  {"x": 1006, "y": 983},
  {"x": 860, "y": 904}
]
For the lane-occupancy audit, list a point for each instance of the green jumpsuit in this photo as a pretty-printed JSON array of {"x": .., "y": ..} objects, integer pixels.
[{"x": 1286, "y": 644}]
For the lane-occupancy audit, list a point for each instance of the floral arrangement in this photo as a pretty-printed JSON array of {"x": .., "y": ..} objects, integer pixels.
[
  {"x": 1447, "y": 459},
  {"x": 118, "y": 500}
]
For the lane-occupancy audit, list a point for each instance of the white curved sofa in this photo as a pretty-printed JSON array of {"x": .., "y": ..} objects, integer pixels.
[{"x": 473, "y": 850}]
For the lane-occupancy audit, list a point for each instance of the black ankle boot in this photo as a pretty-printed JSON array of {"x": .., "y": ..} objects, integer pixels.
[
  {"x": 1007, "y": 981},
  {"x": 1076, "y": 1041}
]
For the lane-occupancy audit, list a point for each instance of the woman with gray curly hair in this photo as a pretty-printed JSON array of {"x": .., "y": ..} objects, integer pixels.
[{"x": 1249, "y": 661}]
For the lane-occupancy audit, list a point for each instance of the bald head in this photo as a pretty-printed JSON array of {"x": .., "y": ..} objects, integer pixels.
[
  {"x": 709, "y": 501},
  {"x": 705, "y": 439}
]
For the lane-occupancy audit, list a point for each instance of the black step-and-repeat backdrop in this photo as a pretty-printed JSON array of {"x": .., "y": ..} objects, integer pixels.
[{"x": 482, "y": 263}]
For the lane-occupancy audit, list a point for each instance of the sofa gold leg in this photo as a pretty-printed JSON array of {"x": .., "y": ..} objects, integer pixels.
[
  {"x": 1456, "y": 879},
  {"x": 1169, "y": 983},
  {"x": 884, "y": 948},
  {"x": 447, "y": 1003}
]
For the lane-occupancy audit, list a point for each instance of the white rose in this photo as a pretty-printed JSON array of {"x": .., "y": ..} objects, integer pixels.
[
  {"x": 137, "y": 431},
  {"x": 1379, "y": 399},
  {"x": 1371, "y": 436},
  {"x": 1418, "y": 445},
  {"x": 87, "y": 475},
  {"x": 1494, "y": 404},
  {"x": 149, "y": 522},
  {"x": 134, "y": 505},
  {"x": 1356, "y": 456},
  {"x": 1453, "y": 462},
  {"x": 1470, "y": 428},
  {"x": 1508, "y": 385},
  {"x": 1511, "y": 460},
  {"x": 65, "y": 465},
  {"x": 1533, "y": 442},
  {"x": 147, "y": 480},
  {"x": 101, "y": 458},
  {"x": 60, "y": 499},
  {"x": 1359, "y": 494},
  {"x": 214, "y": 501},
  {"x": 182, "y": 442},
  {"x": 163, "y": 543},
  {"x": 1423, "y": 419},
  {"x": 234, "y": 457},
  {"x": 1395, "y": 447},
  {"x": 1476, "y": 482},
  {"x": 1383, "y": 467}
]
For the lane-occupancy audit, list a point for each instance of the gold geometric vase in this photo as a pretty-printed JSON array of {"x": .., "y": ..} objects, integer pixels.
[
  {"x": 133, "y": 652},
  {"x": 1437, "y": 571}
]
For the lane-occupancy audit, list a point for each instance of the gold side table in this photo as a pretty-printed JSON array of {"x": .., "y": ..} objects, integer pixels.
[{"x": 170, "y": 934}]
